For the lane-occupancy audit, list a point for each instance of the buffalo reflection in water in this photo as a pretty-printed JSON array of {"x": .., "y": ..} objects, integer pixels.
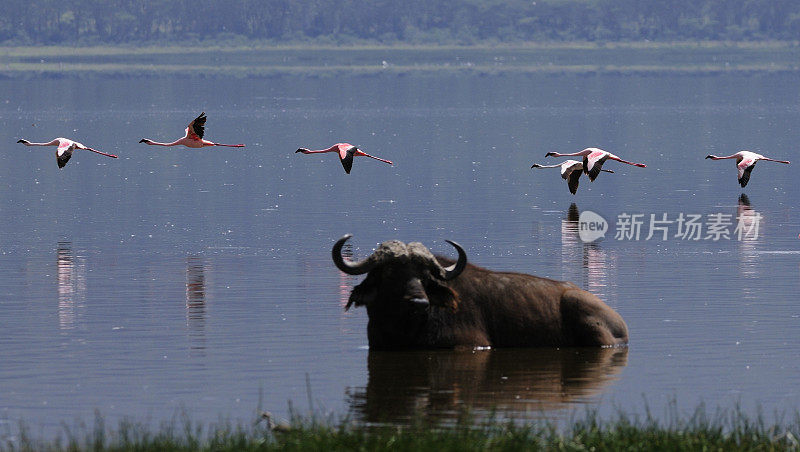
[{"x": 440, "y": 384}]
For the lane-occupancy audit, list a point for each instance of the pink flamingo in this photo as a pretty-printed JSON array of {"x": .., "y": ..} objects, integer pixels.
[
  {"x": 193, "y": 137},
  {"x": 346, "y": 153},
  {"x": 570, "y": 171},
  {"x": 593, "y": 159},
  {"x": 65, "y": 148},
  {"x": 745, "y": 162}
]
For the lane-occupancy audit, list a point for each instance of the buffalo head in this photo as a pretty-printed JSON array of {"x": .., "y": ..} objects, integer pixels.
[{"x": 401, "y": 278}]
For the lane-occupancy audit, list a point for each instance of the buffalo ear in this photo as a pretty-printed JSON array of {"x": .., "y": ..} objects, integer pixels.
[
  {"x": 442, "y": 296},
  {"x": 362, "y": 294}
]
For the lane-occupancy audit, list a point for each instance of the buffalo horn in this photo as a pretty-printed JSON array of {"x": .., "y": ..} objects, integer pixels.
[
  {"x": 456, "y": 269},
  {"x": 357, "y": 268}
]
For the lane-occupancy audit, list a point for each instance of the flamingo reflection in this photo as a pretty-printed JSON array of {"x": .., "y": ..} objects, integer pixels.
[
  {"x": 71, "y": 283},
  {"x": 196, "y": 302},
  {"x": 311, "y": 267},
  {"x": 440, "y": 384},
  {"x": 748, "y": 230},
  {"x": 597, "y": 267},
  {"x": 748, "y": 220}
]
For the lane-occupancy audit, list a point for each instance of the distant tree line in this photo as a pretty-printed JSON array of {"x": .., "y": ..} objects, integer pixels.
[{"x": 394, "y": 21}]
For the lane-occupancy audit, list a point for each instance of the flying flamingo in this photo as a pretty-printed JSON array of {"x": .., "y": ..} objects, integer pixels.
[
  {"x": 65, "y": 148},
  {"x": 745, "y": 161},
  {"x": 570, "y": 171},
  {"x": 193, "y": 138},
  {"x": 346, "y": 153},
  {"x": 593, "y": 159}
]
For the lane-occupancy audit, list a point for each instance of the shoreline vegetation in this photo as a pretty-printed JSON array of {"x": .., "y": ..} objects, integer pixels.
[
  {"x": 259, "y": 59},
  {"x": 416, "y": 21},
  {"x": 724, "y": 430}
]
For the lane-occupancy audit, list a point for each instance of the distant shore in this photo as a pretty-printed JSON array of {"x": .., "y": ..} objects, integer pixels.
[{"x": 265, "y": 60}]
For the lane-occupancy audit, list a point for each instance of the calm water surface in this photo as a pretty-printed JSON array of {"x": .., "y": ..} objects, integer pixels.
[{"x": 175, "y": 280}]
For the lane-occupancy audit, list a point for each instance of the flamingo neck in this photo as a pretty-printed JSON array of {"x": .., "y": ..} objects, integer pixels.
[
  {"x": 157, "y": 143},
  {"x": 318, "y": 151},
  {"x": 49, "y": 143},
  {"x": 572, "y": 154},
  {"x": 734, "y": 156}
]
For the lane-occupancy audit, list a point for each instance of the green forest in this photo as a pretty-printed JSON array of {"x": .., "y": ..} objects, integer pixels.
[{"x": 387, "y": 22}]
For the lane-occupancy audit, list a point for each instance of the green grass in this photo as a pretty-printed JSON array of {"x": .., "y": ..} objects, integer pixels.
[
  {"x": 722, "y": 431},
  {"x": 258, "y": 59}
]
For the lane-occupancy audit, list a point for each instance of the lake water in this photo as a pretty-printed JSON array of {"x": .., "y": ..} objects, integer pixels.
[{"x": 174, "y": 280}]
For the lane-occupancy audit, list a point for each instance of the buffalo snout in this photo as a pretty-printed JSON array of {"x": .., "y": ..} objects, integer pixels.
[{"x": 415, "y": 293}]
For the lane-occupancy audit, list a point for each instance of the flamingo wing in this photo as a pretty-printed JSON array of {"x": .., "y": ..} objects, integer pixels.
[
  {"x": 745, "y": 167},
  {"x": 346, "y": 156},
  {"x": 63, "y": 153},
  {"x": 593, "y": 164},
  {"x": 197, "y": 128},
  {"x": 568, "y": 166},
  {"x": 574, "y": 178}
]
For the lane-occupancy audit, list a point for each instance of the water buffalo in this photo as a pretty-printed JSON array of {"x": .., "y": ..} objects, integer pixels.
[{"x": 414, "y": 301}]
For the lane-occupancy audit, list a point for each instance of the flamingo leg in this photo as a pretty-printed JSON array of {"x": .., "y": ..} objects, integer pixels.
[
  {"x": 227, "y": 145},
  {"x": 101, "y": 153},
  {"x": 640, "y": 165},
  {"x": 364, "y": 154},
  {"x": 773, "y": 160}
]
